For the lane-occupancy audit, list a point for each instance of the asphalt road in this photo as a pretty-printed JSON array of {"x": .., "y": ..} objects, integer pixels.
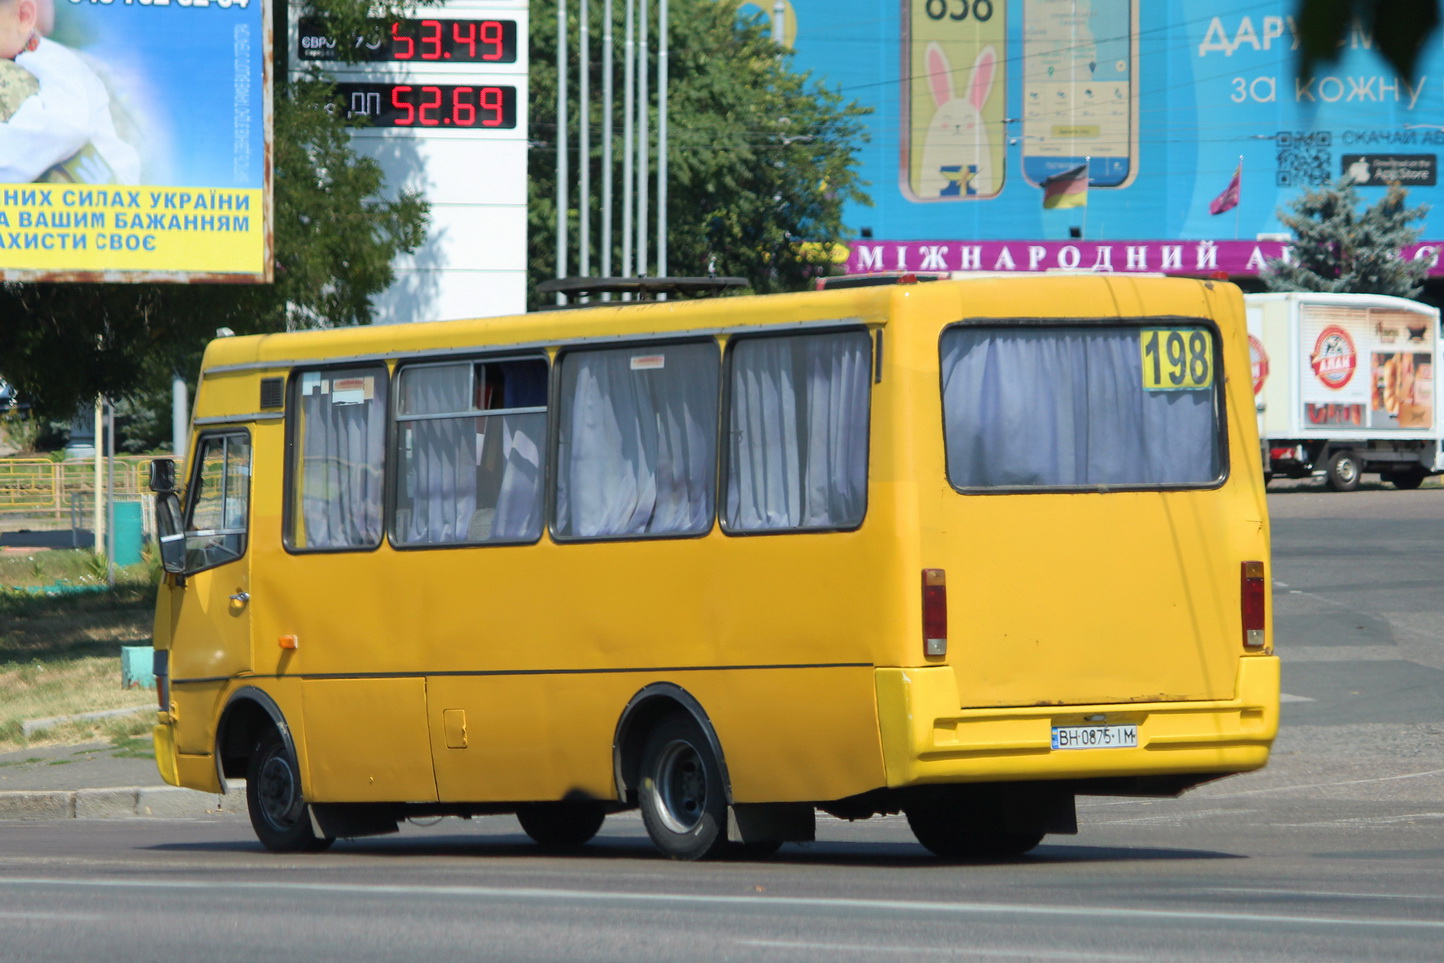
[{"x": 1335, "y": 852}]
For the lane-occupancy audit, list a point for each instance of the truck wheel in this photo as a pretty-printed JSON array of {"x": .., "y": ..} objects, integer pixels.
[
  {"x": 1406, "y": 480},
  {"x": 1343, "y": 471},
  {"x": 279, "y": 812}
]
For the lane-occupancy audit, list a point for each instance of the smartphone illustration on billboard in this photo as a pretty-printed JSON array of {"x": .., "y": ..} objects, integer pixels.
[
  {"x": 1080, "y": 91},
  {"x": 954, "y": 99}
]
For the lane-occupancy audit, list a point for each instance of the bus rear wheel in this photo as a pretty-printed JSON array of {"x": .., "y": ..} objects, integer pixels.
[
  {"x": 960, "y": 832},
  {"x": 681, "y": 794},
  {"x": 279, "y": 813},
  {"x": 561, "y": 825}
]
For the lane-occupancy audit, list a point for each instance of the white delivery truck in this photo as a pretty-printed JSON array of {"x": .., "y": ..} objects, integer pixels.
[{"x": 1344, "y": 385}]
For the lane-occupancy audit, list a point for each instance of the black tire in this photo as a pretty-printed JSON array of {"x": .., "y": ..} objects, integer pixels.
[
  {"x": 683, "y": 801},
  {"x": 1343, "y": 471},
  {"x": 763, "y": 849},
  {"x": 280, "y": 815},
  {"x": 561, "y": 825},
  {"x": 960, "y": 832},
  {"x": 1406, "y": 481}
]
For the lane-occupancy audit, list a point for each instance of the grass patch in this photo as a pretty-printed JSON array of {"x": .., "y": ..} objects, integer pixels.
[
  {"x": 133, "y": 746},
  {"x": 60, "y": 654},
  {"x": 69, "y": 687}
]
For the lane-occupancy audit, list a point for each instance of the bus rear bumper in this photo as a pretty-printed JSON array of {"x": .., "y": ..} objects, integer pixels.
[{"x": 927, "y": 740}]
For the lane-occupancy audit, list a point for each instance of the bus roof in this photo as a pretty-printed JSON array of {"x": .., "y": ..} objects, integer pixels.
[{"x": 1043, "y": 295}]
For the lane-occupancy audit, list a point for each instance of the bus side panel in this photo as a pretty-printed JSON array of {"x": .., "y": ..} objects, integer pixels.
[
  {"x": 357, "y": 754},
  {"x": 520, "y": 738},
  {"x": 795, "y": 735},
  {"x": 787, "y": 735}
]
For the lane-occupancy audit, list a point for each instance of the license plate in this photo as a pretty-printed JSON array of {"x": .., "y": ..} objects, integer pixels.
[{"x": 1095, "y": 737}]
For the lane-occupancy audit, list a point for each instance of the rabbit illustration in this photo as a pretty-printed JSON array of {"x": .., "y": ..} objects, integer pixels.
[{"x": 957, "y": 155}]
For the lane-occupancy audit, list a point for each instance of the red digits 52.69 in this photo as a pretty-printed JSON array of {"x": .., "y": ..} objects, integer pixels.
[{"x": 433, "y": 106}]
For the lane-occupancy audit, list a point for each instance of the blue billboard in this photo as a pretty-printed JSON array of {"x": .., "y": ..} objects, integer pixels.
[{"x": 1188, "y": 116}]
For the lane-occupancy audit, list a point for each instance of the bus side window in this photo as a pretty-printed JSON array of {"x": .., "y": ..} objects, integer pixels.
[
  {"x": 637, "y": 441},
  {"x": 337, "y": 459},
  {"x": 219, "y": 502},
  {"x": 797, "y": 430},
  {"x": 470, "y": 439}
]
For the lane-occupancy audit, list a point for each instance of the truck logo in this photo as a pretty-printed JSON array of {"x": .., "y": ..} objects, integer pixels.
[{"x": 1334, "y": 357}]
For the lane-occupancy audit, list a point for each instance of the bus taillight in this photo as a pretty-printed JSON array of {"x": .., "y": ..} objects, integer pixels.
[
  {"x": 935, "y": 612},
  {"x": 1253, "y": 594}
]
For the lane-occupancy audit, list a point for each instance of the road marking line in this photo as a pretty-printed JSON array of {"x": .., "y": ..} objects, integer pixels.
[
  {"x": 952, "y": 951},
  {"x": 1285, "y": 697},
  {"x": 1327, "y": 894},
  {"x": 1327, "y": 785},
  {"x": 1406, "y": 819},
  {"x": 210, "y": 887}
]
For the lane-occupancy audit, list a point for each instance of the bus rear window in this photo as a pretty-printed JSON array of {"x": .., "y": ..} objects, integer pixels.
[{"x": 1081, "y": 407}]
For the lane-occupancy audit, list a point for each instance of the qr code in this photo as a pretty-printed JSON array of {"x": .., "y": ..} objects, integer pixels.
[{"x": 1305, "y": 157}]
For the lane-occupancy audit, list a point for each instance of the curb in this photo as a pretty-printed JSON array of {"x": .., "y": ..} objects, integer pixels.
[{"x": 130, "y": 802}]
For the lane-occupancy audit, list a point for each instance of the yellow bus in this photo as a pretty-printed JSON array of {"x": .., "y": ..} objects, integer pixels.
[{"x": 962, "y": 550}]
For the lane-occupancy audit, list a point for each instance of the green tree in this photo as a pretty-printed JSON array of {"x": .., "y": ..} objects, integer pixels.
[
  {"x": 335, "y": 236},
  {"x": 761, "y": 158},
  {"x": 1338, "y": 248}
]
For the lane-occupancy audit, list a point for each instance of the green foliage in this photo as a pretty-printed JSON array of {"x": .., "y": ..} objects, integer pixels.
[
  {"x": 761, "y": 159},
  {"x": 1340, "y": 249},
  {"x": 334, "y": 239}
]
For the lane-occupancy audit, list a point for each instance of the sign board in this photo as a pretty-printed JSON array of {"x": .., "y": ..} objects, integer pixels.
[
  {"x": 135, "y": 142},
  {"x": 975, "y": 104},
  {"x": 444, "y": 96}
]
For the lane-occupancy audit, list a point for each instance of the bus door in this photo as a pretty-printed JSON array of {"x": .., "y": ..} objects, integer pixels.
[
  {"x": 210, "y": 608},
  {"x": 363, "y": 694}
]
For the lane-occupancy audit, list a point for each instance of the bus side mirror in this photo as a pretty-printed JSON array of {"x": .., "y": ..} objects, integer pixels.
[
  {"x": 170, "y": 531},
  {"x": 162, "y": 476}
]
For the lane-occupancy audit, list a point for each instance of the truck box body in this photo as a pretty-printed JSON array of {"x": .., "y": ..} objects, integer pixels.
[{"x": 1345, "y": 384}]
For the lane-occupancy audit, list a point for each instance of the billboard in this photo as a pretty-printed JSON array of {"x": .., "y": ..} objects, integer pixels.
[
  {"x": 441, "y": 103},
  {"x": 975, "y": 103},
  {"x": 135, "y": 141}
]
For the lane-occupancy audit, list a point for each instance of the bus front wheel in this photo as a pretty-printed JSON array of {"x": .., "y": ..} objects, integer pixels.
[
  {"x": 279, "y": 812},
  {"x": 959, "y": 832},
  {"x": 681, "y": 794},
  {"x": 561, "y": 825}
]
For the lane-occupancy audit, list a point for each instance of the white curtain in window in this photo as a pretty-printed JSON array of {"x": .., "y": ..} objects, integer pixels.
[
  {"x": 342, "y": 462},
  {"x": 437, "y": 493},
  {"x": 637, "y": 443},
  {"x": 519, "y": 504},
  {"x": 1066, "y": 407},
  {"x": 799, "y": 432}
]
